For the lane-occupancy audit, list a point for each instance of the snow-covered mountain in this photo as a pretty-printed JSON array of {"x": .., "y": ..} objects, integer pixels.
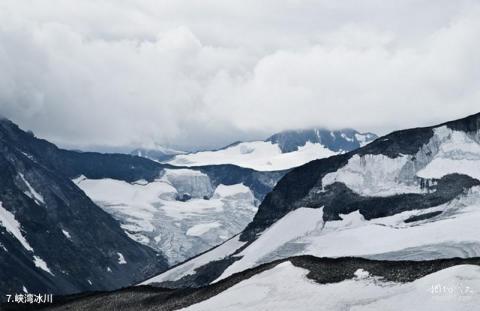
[
  {"x": 181, "y": 212},
  {"x": 392, "y": 225},
  {"x": 281, "y": 151},
  {"x": 411, "y": 195},
  {"x": 176, "y": 212},
  {"x": 157, "y": 153},
  {"x": 53, "y": 238}
]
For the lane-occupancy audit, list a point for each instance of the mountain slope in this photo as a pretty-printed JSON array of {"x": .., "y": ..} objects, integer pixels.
[
  {"x": 413, "y": 194},
  {"x": 386, "y": 171},
  {"x": 183, "y": 212},
  {"x": 343, "y": 140},
  {"x": 44, "y": 244},
  {"x": 312, "y": 284},
  {"x": 281, "y": 151},
  {"x": 178, "y": 212}
]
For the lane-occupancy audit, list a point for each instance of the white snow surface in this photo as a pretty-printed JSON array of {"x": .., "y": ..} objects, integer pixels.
[
  {"x": 454, "y": 233},
  {"x": 451, "y": 234},
  {"x": 150, "y": 213},
  {"x": 188, "y": 267},
  {"x": 201, "y": 229},
  {"x": 296, "y": 224},
  {"x": 258, "y": 155},
  {"x": 457, "y": 152},
  {"x": 363, "y": 139},
  {"x": 40, "y": 263},
  {"x": 8, "y": 221},
  {"x": 375, "y": 175},
  {"x": 121, "y": 259},
  {"x": 286, "y": 287},
  {"x": 66, "y": 234},
  {"x": 32, "y": 193},
  {"x": 229, "y": 191}
]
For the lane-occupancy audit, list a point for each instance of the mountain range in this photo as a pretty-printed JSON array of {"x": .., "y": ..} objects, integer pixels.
[
  {"x": 391, "y": 225},
  {"x": 142, "y": 215},
  {"x": 280, "y": 151}
]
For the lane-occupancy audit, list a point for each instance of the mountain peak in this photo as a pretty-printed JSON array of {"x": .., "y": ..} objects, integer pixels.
[{"x": 337, "y": 141}]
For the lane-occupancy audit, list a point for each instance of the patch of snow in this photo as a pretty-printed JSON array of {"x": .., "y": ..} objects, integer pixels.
[
  {"x": 375, "y": 175},
  {"x": 363, "y": 139},
  {"x": 449, "y": 235},
  {"x": 286, "y": 287},
  {"x": 201, "y": 229},
  {"x": 8, "y": 221},
  {"x": 67, "y": 234},
  {"x": 32, "y": 193},
  {"x": 258, "y": 155},
  {"x": 344, "y": 136},
  {"x": 230, "y": 190},
  {"x": 121, "y": 259},
  {"x": 119, "y": 192},
  {"x": 457, "y": 153},
  {"x": 361, "y": 274},
  {"x": 28, "y": 156},
  {"x": 108, "y": 269},
  {"x": 40, "y": 263},
  {"x": 352, "y": 220},
  {"x": 296, "y": 224},
  {"x": 184, "y": 172}
]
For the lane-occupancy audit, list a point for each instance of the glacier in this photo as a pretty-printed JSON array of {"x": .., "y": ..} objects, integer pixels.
[{"x": 158, "y": 215}]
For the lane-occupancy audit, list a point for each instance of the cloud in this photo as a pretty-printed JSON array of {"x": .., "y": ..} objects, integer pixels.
[{"x": 190, "y": 74}]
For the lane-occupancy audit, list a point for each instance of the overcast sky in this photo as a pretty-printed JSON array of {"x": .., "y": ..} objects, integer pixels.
[{"x": 206, "y": 73}]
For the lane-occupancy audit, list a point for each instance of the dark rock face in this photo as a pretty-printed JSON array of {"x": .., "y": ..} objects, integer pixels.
[
  {"x": 342, "y": 140},
  {"x": 409, "y": 141},
  {"x": 297, "y": 188},
  {"x": 322, "y": 270},
  {"x": 74, "y": 163},
  {"x": 203, "y": 276},
  {"x": 341, "y": 200},
  {"x": 79, "y": 243},
  {"x": 422, "y": 216},
  {"x": 289, "y": 190}
]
